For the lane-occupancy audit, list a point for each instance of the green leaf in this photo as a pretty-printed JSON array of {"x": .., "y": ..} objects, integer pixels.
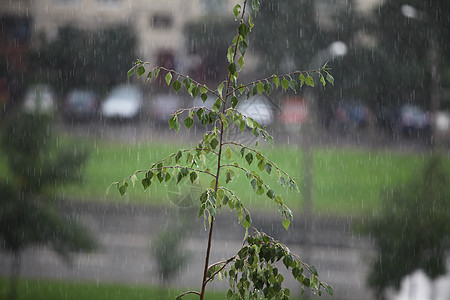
[
  {"x": 212, "y": 116},
  {"x": 260, "y": 87},
  {"x": 176, "y": 85},
  {"x": 220, "y": 89},
  {"x": 241, "y": 88},
  {"x": 293, "y": 84},
  {"x": 217, "y": 105},
  {"x": 146, "y": 182},
  {"x": 260, "y": 191},
  {"x": 234, "y": 101},
  {"x": 187, "y": 83},
  {"x": 236, "y": 11},
  {"x": 123, "y": 188},
  {"x": 173, "y": 123},
  {"x": 254, "y": 90},
  {"x": 195, "y": 91},
  {"x": 322, "y": 80},
  {"x": 168, "y": 78},
  {"x": 242, "y": 125},
  {"x": 241, "y": 62},
  {"x": 302, "y": 79},
  {"x": 330, "y": 78},
  {"x": 286, "y": 223},
  {"x": 232, "y": 68},
  {"x": 247, "y": 222},
  {"x": 156, "y": 73},
  {"x": 167, "y": 177},
  {"x": 285, "y": 84},
  {"x": 270, "y": 194},
  {"x": 249, "y": 158},
  {"x": 184, "y": 171},
  {"x": 133, "y": 179},
  {"x": 243, "y": 30},
  {"x": 178, "y": 156},
  {"x": 276, "y": 81},
  {"x": 255, "y": 6},
  {"x": 131, "y": 71},
  {"x": 228, "y": 153},
  {"x": 161, "y": 175},
  {"x": 230, "y": 54},
  {"x": 268, "y": 167},
  {"x": 309, "y": 81},
  {"x": 313, "y": 270},
  {"x": 227, "y": 177},
  {"x": 214, "y": 143},
  {"x": 278, "y": 200},
  {"x": 250, "y": 123},
  {"x": 268, "y": 87},
  {"x": 204, "y": 97},
  {"x": 243, "y": 47},
  {"x": 140, "y": 71},
  {"x": 188, "y": 122},
  {"x": 261, "y": 165},
  {"x": 149, "y": 76},
  {"x": 329, "y": 289},
  {"x": 201, "y": 211}
]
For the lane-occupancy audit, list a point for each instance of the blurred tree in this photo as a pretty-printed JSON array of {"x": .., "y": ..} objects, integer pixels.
[
  {"x": 167, "y": 246},
  {"x": 412, "y": 57},
  {"x": 37, "y": 164},
  {"x": 95, "y": 59},
  {"x": 283, "y": 45},
  {"x": 209, "y": 43},
  {"x": 411, "y": 229},
  {"x": 301, "y": 40}
]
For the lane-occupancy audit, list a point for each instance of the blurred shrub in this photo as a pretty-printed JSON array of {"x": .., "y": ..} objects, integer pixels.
[{"x": 410, "y": 230}]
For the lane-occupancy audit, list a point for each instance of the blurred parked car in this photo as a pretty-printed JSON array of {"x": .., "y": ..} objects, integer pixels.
[
  {"x": 259, "y": 108},
  {"x": 348, "y": 115},
  {"x": 164, "y": 105},
  {"x": 81, "y": 104},
  {"x": 40, "y": 98},
  {"x": 406, "y": 119},
  {"x": 123, "y": 102}
]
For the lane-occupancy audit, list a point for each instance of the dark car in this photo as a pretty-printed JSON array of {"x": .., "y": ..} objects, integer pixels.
[
  {"x": 348, "y": 115},
  {"x": 81, "y": 104},
  {"x": 407, "y": 119}
]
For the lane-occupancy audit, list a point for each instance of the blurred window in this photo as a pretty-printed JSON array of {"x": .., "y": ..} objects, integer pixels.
[{"x": 161, "y": 21}]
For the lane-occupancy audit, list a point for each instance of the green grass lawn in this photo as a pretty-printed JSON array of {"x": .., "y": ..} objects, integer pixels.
[
  {"x": 345, "y": 181},
  {"x": 33, "y": 289}
]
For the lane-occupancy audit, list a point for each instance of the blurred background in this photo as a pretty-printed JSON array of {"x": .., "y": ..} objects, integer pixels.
[{"x": 371, "y": 152}]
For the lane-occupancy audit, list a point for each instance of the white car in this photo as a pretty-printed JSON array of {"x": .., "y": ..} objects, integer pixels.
[
  {"x": 40, "y": 98},
  {"x": 124, "y": 102},
  {"x": 259, "y": 108}
]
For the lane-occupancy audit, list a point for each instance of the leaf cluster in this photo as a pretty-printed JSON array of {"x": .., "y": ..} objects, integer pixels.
[
  {"x": 254, "y": 272},
  {"x": 220, "y": 159}
]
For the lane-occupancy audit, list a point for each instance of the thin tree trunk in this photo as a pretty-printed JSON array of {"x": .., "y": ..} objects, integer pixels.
[{"x": 14, "y": 275}]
